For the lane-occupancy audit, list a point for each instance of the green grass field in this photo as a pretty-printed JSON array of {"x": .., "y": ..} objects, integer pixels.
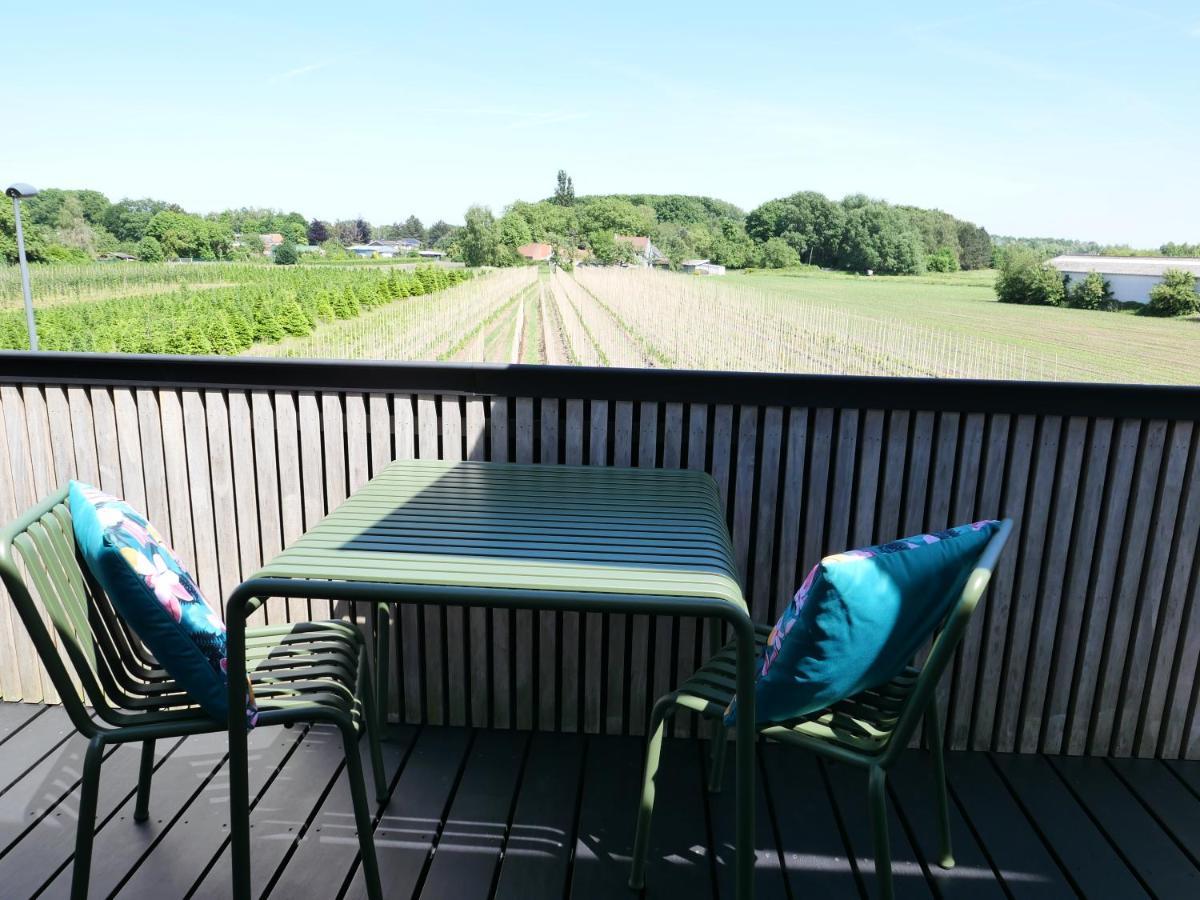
[{"x": 1086, "y": 345}]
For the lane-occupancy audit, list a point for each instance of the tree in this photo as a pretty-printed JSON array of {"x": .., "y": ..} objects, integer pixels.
[
  {"x": 150, "y": 250},
  {"x": 779, "y": 254},
  {"x": 129, "y": 219},
  {"x": 437, "y": 231},
  {"x": 318, "y": 232},
  {"x": 1091, "y": 292},
  {"x": 514, "y": 230},
  {"x": 974, "y": 246},
  {"x": 285, "y": 254},
  {"x": 480, "y": 239},
  {"x": 412, "y": 228},
  {"x": 564, "y": 192},
  {"x": 1024, "y": 278},
  {"x": 1175, "y": 295},
  {"x": 880, "y": 238}
]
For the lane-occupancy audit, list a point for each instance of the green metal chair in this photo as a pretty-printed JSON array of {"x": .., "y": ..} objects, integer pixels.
[
  {"x": 870, "y": 729},
  {"x": 303, "y": 672}
]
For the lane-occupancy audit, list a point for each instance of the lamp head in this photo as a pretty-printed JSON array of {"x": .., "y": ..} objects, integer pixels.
[{"x": 20, "y": 191}]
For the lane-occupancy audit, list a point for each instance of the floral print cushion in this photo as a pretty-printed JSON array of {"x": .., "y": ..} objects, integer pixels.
[
  {"x": 155, "y": 595},
  {"x": 859, "y": 618}
]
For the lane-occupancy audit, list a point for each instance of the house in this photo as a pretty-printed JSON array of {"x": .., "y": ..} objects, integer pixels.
[
  {"x": 1131, "y": 277},
  {"x": 381, "y": 249},
  {"x": 117, "y": 257},
  {"x": 701, "y": 267},
  {"x": 431, "y": 254},
  {"x": 536, "y": 252},
  {"x": 409, "y": 244},
  {"x": 647, "y": 253},
  {"x": 270, "y": 242}
]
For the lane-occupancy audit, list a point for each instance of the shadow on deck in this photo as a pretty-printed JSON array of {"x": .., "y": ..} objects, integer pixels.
[{"x": 477, "y": 814}]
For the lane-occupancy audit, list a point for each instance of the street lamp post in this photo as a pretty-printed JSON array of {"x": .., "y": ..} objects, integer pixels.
[{"x": 20, "y": 192}]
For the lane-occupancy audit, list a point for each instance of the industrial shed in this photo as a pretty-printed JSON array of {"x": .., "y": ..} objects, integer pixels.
[{"x": 1131, "y": 277}]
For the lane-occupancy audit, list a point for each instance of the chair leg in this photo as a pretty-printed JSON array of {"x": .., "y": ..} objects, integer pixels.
[
  {"x": 877, "y": 800},
  {"x": 641, "y": 841},
  {"x": 141, "y": 808},
  {"x": 367, "y": 700},
  {"x": 933, "y": 734},
  {"x": 86, "y": 826},
  {"x": 362, "y": 814},
  {"x": 718, "y": 744}
]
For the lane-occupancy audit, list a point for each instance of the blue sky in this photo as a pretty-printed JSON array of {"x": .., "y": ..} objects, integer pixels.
[{"x": 1074, "y": 119}]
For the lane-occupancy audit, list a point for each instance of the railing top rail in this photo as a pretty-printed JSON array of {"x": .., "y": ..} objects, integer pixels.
[{"x": 581, "y": 382}]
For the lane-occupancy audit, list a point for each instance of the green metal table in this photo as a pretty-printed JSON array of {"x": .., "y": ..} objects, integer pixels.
[{"x": 569, "y": 538}]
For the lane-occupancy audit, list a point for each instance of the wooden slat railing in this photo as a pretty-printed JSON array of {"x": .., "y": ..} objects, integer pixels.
[{"x": 1087, "y": 644}]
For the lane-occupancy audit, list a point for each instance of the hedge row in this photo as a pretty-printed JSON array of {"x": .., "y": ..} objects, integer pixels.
[{"x": 218, "y": 321}]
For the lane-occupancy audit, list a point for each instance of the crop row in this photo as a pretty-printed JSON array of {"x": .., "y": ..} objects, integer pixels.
[{"x": 222, "y": 320}]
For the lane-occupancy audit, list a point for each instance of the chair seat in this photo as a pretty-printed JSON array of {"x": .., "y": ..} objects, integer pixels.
[
  {"x": 303, "y": 663},
  {"x": 862, "y": 723}
]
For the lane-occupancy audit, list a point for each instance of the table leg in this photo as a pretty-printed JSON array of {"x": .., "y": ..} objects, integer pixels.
[{"x": 746, "y": 735}]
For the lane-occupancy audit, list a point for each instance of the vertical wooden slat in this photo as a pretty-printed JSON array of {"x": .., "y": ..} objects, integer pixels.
[
  {"x": 866, "y": 480},
  {"x": 1103, "y": 576},
  {"x": 787, "y": 577},
  {"x": 594, "y": 623},
  {"x": 819, "y": 464},
  {"x": 501, "y": 665},
  {"x": 153, "y": 458},
  {"x": 16, "y": 484},
  {"x": 1151, "y": 588},
  {"x": 570, "y": 635},
  {"x": 408, "y": 631},
  {"x": 170, "y": 406},
  {"x": 133, "y": 480},
  {"x": 456, "y": 625},
  {"x": 1069, "y": 636},
  {"x": 477, "y": 617},
  {"x": 379, "y": 422},
  {"x": 916, "y": 483},
  {"x": 841, "y": 490},
  {"x": 996, "y": 609},
  {"x": 245, "y": 490},
  {"x": 1132, "y": 575},
  {"x": 743, "y": 491},
  {"x": 895, "y": 458},
  {"x": 1176, "y": 657},
  {"x": 84, "y": 437},
  {"x": 619, "y": 625},
  {"x": 549, "y": 674},
  {"x": 432, "y": 616},
  {"x": 523, "y": 644},
  {"x": 223, "y": 496},
  {"x": 267, "y": 464},
  {"x": 281, "y": 445},
  {"x": 641, "y": 628},
  {"x": 200, "y": 483},
  {"x": 108, "y": 457},
  {"x": 762, "y": 601},
  {"x": 1048, "y": 600}
]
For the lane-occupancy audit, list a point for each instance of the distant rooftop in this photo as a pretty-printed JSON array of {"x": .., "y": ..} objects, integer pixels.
[{"x": 1126, "y": 265}]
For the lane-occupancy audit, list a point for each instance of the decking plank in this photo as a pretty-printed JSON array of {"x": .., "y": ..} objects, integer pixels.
[
  {"x": 409, "y": 828},
  {"x": 680, "y": 859},
  {"x": 328, "y": 849},
  {"x": 121, "y": 842},
  {"x": 1025, "y": 865},
  {"x": 50, "y": 843},
  {"x": 180, "y": 858},
  {"x": 1082, "y": 849},
  {"x": 604, "y": 829},
  {"x": 25, "y": 747},
  {"x": 1158, "y": 861},
  {"x": 849, "y": 787},
  {"x": 537, "y": 854},
  {"x": 913, "y": 790},
  {"x": 468, "y": 853},
  {"x": 769, "y": 879},
  {"x": 1175, "y": 807},
  {"x": 280, "y": 815},
  {"x": 814, "y": 856},
  {"x": 15, "y": 716}
]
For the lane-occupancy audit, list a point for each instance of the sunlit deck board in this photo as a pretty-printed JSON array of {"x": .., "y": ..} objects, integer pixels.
[{"x": 518, "y": 814}]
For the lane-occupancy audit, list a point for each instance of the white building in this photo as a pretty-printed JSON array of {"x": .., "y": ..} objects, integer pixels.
[
  {"x": 370, "y": 251},
  {"x": 1131, "y": 277},
  {"x": 701, "y": 267}
]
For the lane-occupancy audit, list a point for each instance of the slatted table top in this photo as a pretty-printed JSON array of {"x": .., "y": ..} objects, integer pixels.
[{"x": 580, "y": 530}]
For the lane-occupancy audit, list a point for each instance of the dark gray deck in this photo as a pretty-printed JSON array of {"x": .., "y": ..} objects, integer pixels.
[{"x": 477, "y": 814}]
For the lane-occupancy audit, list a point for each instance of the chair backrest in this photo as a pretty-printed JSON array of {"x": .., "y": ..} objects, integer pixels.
[
  {"x": 946, "y": 641},
  {"x": 52, "y": 589}
]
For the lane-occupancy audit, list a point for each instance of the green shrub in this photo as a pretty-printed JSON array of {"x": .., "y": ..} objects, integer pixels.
[
  {"x": 286, "y": 255},
  {"x": 944, "y": 260},
  {"x": 779, "y": 254},
  {"x": 1092, "y": 292},
  {"x": 1024, "y": 278},
  {"x": 1175, "y": 295}
]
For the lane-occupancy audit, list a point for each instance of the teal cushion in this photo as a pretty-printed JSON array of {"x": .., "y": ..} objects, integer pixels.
[
  {"x": 860, "y": 617},
  {"x": 155, "y": 595}
]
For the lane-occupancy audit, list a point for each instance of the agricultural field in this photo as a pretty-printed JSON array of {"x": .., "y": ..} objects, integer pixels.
[{"x": 793, "y": 321}]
